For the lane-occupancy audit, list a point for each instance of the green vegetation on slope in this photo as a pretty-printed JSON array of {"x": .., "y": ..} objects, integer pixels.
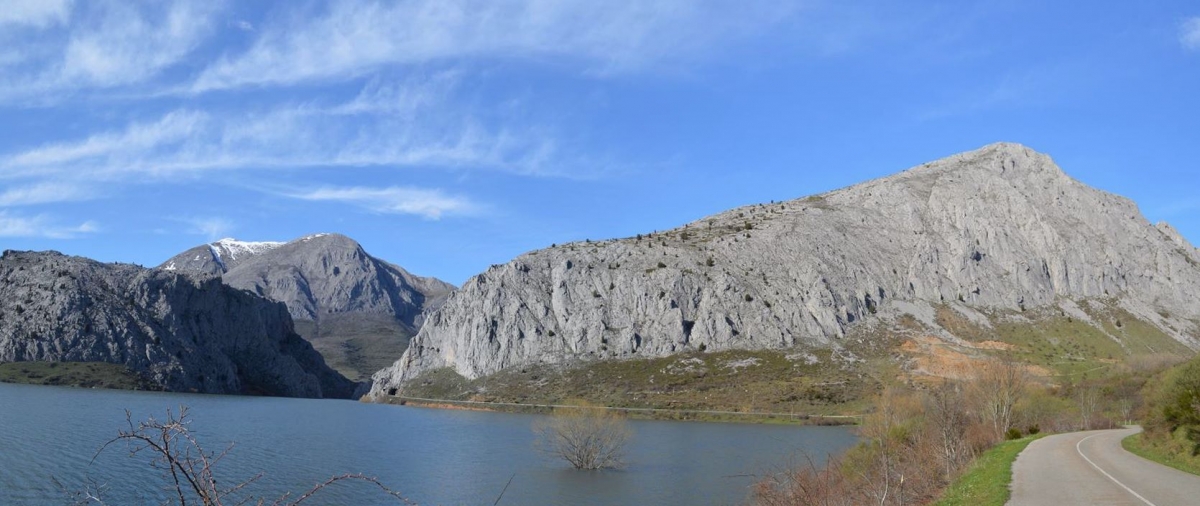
[
  {"x": 986, "y": 481},
  {"x": 76, "y": 374},
  {"x": 1110, "y": 352},
  {"x": 1173, "y": 452},
  {"x": 1172, "y": 420},
  {"x": 1065, "y": 345},
  {"x": 810, "y": 382},
  {"x": 356, "y": 344}
]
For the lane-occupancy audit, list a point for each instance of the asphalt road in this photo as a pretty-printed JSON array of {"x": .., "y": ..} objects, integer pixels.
[{"x": 1091, "y": 468}]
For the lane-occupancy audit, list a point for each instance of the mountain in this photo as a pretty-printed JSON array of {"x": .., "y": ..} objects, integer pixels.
[
  {"x": 977, "y": 244},
  {"x": 178, "y": 332},
  {"x": 357, "y": 310}
]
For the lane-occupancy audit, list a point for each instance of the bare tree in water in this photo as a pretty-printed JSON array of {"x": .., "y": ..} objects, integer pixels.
[
  {"x": 189, "y": 469},
  {"x": 587, "y": 436}
]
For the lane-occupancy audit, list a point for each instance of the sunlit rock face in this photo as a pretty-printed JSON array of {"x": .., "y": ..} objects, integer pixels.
[{"x": 1001, "y": 228}]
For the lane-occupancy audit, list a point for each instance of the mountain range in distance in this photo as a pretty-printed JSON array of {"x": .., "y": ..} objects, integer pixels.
[
  {"x": 357, "y": 310},
  {"x": 995, "y": 252}
]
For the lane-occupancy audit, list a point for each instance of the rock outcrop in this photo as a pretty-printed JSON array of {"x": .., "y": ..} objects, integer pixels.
[
  {"x": 1001, "y": 228},
  {"x": 357, "y": 310},
  {"x": 181, "y": 332}
]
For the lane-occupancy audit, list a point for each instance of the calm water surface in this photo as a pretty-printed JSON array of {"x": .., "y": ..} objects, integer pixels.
[{"x": 432, "y": 456}]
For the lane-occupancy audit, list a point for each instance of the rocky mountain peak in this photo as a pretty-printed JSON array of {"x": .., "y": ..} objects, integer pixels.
[
  {"x": 1014, "y": 164},
  {"x": 229, "y": 249},
  {"x": 1011, "y": 161},
  {"x": 1174, "y": 236},
  {"x": 354, "y": 307},
  {"x": 999, "y": 229}
]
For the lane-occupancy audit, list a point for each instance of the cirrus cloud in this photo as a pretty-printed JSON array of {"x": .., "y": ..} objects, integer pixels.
[
  {"x": 428, "y": 203},
  {"x": 407, "y": 124},
  {"x": 352, "y": 37},
  {"x": 15, "y": 225},
  {"x": 1189, "y": 34},
  {"x": 45, "y": 192},
  {"x": 35, "y": 13}
]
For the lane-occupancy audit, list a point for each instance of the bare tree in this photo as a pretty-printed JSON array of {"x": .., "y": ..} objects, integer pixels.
[
  {"x": 947, "y": 417},
  {"x": 891, "y": 435},
  {"x": 996, "y": 390},
  {"x": 1089, "y": 403},
  {"x": 807, "y": 485},
  {"x": 189, "y": 469},
  {"x": 586, "y": 436},
  {"x": 1126, "y": 407}
]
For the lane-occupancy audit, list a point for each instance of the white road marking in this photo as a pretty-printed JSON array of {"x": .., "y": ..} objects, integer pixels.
[{"x": 1114, "y": 480}]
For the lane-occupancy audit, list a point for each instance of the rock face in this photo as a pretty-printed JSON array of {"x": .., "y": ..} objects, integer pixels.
[
  {"x": 1001, "y": 228},
  {"x": 181, "y": 332},
  {"x": 357, "y": 310}
]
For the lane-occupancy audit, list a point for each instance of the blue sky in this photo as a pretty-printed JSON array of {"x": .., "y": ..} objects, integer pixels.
[{"x": 447, "y": 135}]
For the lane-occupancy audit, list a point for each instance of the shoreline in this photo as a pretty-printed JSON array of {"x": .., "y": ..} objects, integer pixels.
[{"x": 690, "y": 415}]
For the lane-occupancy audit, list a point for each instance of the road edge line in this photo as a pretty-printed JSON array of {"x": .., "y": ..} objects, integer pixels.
[{"x": 1079, "y": 450}]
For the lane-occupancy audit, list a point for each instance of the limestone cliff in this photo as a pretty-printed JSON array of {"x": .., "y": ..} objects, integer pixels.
[
  {"x": 1001, "y": 228},
  {"x": 180, "y": 332},
  {"x": 357, "y": 310}
]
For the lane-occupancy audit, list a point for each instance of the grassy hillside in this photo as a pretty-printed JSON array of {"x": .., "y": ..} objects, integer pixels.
[
  {"x": 811, "y": 382},
  {"x": 1083, "y": 346},
  {"x": 77, "y": 374},
  {"x": 1097, "y": 345},
  {"x": 356, "y": 344}
]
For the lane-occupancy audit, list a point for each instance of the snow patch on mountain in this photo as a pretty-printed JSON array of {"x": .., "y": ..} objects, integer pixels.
[
  {"x": 311, "y": 237},
  {"x": 234, "y": 247}
]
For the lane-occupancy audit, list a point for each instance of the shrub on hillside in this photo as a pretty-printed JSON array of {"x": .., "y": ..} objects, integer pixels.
[
  {"x": 914, "y": 444},
  {"x": 1176, "y": 404}
]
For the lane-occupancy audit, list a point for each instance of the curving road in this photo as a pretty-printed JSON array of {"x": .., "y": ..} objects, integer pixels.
[{"x": 1091, "y": 468}]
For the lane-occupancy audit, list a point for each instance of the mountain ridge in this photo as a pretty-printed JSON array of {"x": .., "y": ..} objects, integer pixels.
[
  {"x": 358, "y": 310},
  {"x": 1000, "y": 228},
  {"x": 180, "y": 332}
]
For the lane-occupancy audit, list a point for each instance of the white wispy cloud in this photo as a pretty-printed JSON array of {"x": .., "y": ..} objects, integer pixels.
[
  {"x": 126, "y": 44},
  {"x": 15, "y": 225},
  {"x": 126, "y": 148},
  {"x": 107, "y": 44},
  {"x": 353, "y": 37},
  {"x": 425, "y": 202},
  {"x": 45, "y": 192},
  {"x": 36, "y": 13},
  {"x": 1189, "y": 34},
  {"x": 398, "y": 125}
]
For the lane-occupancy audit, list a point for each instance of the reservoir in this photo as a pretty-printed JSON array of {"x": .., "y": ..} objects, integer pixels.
[{"x": 51, "y": 434}]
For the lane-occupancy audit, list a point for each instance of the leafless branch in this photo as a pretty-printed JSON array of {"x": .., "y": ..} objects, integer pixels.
[{"x": 189, "y": 469}]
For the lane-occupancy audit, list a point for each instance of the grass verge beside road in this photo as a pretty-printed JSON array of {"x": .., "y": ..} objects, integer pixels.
[
  {"x": 986, "y": 482},
  {"x": 1149, "y": 449}
]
